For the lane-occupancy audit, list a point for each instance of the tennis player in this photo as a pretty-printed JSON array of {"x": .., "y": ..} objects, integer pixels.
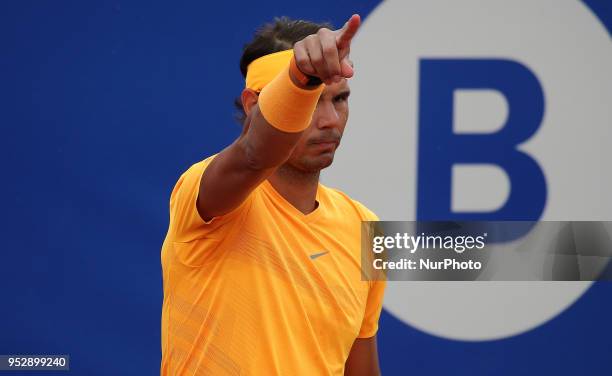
[{"x": 261, "y": 263}]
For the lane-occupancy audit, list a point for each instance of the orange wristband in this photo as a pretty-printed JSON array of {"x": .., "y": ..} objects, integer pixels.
[
  {"x": 301, "y": 77},
  {"x": 287, "y": 107}
]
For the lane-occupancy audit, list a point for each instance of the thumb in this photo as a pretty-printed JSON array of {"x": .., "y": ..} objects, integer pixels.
[{"x": 346, "y": 68}]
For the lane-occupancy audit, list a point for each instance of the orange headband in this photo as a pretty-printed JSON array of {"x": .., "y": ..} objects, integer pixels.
[{"x": 262, "y": 70}]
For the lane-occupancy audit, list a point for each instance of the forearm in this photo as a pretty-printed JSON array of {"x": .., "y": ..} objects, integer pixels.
[{"x": 264, "y": 146}]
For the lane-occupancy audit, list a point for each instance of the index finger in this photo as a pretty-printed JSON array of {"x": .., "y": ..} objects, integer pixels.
[{"x": 348, "y": 31}]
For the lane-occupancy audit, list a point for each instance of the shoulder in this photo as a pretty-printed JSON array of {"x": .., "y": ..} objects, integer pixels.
[
  {"x": 198, "y": 167},
  {"x": 186, "y": 188},
  {"x": 193, "y": 174},
  {"x": 344, "y": 202}
]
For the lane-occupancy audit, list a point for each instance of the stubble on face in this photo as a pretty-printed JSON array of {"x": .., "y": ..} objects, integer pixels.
[{"x": 316, "y": 149}]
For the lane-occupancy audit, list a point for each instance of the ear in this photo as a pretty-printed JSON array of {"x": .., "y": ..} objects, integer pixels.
[{"x": 248, "y": 98}]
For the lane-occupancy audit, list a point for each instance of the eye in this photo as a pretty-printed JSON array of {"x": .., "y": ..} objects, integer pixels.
[{"x": 341, "y": 98}]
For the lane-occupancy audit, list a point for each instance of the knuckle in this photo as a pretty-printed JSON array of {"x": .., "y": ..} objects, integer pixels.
[
  {"x": 329, "y": 50},
  {"x": 301, "y": 61}
]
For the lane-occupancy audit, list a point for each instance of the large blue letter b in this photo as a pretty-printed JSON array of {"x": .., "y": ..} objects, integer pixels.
[{"x": 440, "y": 148}]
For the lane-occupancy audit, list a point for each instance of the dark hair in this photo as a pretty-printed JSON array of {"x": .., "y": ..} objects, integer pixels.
[{"x": 276, "y": 36}]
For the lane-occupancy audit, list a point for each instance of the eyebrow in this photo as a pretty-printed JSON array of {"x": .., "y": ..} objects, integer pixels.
[
  {"x": 340, "y": 94},
  {"x": 343, "y": 92}
]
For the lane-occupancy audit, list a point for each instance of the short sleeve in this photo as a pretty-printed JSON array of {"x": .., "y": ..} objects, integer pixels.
[
  {"x": 369, "y": 325},
  {"x": 186, "y": 224},
  {"x": 365, "y": 213}
]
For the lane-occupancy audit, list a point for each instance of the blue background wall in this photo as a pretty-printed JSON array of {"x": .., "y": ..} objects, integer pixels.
[{"x": 102, "y": 106}]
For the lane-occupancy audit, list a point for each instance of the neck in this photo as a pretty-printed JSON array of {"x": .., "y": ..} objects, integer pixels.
[{"x": 297, "y": 187}]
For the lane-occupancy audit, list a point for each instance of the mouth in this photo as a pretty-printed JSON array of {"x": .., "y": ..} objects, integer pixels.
[
  {"x": 325, "y": 145},
  {"x": 325, "y": 142}
]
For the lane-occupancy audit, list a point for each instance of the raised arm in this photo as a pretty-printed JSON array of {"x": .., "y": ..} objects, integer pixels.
[{"x": 276, "y": 120}]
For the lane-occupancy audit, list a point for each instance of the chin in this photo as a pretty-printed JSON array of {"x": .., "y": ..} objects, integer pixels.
[
  {"x": 320, "y": 162},
  {"x": 327, "y": 162}
]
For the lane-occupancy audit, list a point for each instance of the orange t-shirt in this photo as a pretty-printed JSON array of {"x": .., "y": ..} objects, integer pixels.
[{"x": 264, "y": 289}]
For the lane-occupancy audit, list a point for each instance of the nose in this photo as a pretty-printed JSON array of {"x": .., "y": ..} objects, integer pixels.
[{"x": 326, "y": 116}]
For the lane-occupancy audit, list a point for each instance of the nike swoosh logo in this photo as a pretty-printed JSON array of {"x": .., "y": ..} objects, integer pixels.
[{"x": 314, "y": 256}]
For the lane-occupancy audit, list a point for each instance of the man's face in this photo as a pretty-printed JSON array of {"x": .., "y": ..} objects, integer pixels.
[{"x": 315, "y": 149}]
